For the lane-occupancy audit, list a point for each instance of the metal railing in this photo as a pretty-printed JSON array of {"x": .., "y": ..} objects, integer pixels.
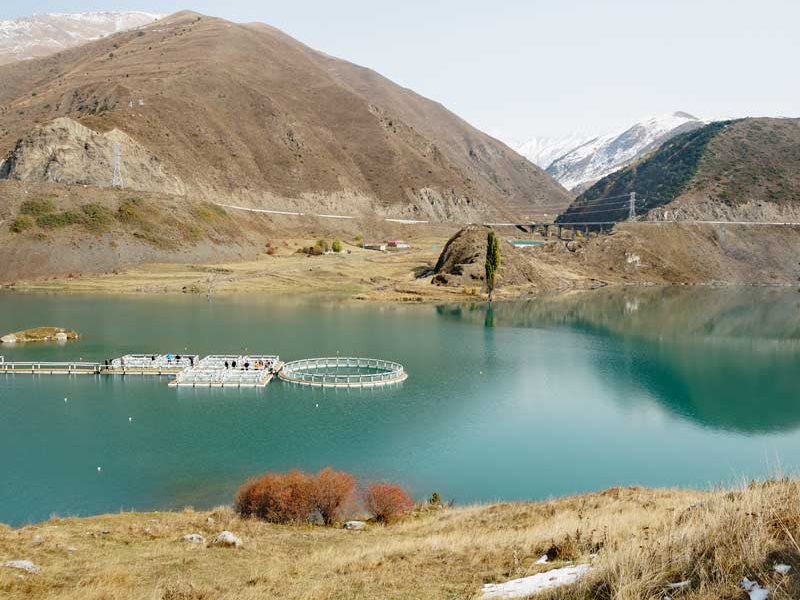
[
  {"x": 327, "y": 372},
  {"x": 47, "y": 367}
]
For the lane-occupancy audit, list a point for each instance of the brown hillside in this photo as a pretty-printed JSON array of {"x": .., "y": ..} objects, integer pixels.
[
  {"x": 745, "y": 170},
  {"x": 751, "y": 171},
  {"x": 247, "y": 114}
]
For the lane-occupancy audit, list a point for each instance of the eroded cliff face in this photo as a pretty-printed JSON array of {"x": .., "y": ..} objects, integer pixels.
[{"x": 64, "y": 151}]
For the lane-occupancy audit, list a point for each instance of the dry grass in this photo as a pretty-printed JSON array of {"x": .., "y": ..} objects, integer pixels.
[
  {"x": 365, "y": 274},
  {"x": 643, "y": 540}
]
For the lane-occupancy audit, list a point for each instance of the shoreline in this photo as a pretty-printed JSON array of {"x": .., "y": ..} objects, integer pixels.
[{"x": 646, "y": 541}]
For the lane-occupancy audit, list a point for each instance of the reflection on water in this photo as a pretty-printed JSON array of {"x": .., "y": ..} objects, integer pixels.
[
  {"x": 515, "y": 400},
  {"x": 725, "y": 358}
]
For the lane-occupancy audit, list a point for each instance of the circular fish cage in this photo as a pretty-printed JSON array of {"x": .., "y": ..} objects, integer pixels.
[{"x": 343, "y": 372}]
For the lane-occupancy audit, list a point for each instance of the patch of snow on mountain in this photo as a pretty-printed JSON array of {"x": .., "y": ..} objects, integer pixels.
[
  {"x": 40, "y": 35},
  {"x": 604, "y": 155},
  {"x": 542, "y": 151}
]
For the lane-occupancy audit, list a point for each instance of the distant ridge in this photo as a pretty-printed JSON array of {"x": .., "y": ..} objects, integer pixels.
[
  {"x": 743, "y": 170},
  {"x": 45, "y": 34},
  {"x": 578, "y": 161}
]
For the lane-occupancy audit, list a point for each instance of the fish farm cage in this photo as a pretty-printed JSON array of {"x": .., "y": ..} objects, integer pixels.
[{"x": 343, "y": 372}]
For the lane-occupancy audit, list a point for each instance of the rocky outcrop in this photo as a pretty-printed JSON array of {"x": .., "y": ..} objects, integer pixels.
[
  {"x": 65, "y": 151},
  {"x": 40, "y": 334},
  {"x": 227, "y": 540},
  {"x": 194, "y": 538},
  {"x": 22, "y": 565},
  {"x": 462, "y": 261}
]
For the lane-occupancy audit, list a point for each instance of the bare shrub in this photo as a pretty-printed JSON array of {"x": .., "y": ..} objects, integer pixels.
[
  {"x": 332, "y": 493},
  {"x": 386, "y": 501}
]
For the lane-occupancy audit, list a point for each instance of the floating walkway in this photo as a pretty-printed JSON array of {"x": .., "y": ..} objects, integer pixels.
[
  {"x": 185, "y": 370},
  {"x": 345, "y": 372},
  {"x": 51, "y": 368},
  {"x": 228, "y": 370}
]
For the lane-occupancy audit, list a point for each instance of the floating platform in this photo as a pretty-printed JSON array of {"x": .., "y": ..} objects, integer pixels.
[
  {"x": 227, "y": 370},
  {"x": 151, "y": 364},
  {"x": 217, "y": 370}
]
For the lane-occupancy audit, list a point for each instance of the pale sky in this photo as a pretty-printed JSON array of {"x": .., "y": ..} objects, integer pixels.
[{"x": 523, "y": 68}]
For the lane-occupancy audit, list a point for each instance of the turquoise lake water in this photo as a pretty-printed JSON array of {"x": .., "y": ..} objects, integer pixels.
[{"x": 523, "y": 400}]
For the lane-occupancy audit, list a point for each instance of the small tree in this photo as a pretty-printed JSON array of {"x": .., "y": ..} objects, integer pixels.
[
  {"x": 386, "y": 501},
  {"x": 332, "y": 491},
  {"x": 492, "y": 262},
  {"x": 336, "y": 246}
]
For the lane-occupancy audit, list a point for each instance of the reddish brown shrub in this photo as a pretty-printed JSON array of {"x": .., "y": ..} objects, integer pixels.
[
  {"x": 332, "y": 492},
  {"x": 244, "y": 501},
  {"x": 277, "y": 497},
  {"x": 386, "y": 501}
]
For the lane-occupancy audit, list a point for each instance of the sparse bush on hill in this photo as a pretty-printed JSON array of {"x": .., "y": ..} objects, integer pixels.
[
  {"x": 131, "y": 210},
  {"x": 96, "y": 216},
  {"x": 56, "y": 220},
  {"x": 21, "y": 223},
  {"x": 36, "y": 207},
  {"x": 208, "y": 212},
  {"x": 336, "y": 246},
  {"x": 386, "y": 501}
]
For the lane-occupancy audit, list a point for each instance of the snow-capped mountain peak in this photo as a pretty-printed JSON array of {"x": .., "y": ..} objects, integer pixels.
[
  {"x": 592, "y": 158},
  {"x": 40, "y": 35},
  {"x": 542, "y": 151}
]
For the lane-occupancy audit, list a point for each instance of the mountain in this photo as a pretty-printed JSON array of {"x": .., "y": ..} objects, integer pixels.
[
  {"x": 743, "y": 170},
  {"x": 40, "y": 35},
  {"x": 542, "y": 151},
  {"x": 591, "y": 159},
  {"x": 243, "y": 113}
]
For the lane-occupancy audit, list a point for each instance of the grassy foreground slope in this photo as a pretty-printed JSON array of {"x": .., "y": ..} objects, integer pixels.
[{"x": 639, "y": 541}]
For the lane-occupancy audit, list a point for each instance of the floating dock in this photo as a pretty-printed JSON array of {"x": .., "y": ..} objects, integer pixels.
[
  {"x": 218, "y": 370},
  {"x": 228, "y": 370}
]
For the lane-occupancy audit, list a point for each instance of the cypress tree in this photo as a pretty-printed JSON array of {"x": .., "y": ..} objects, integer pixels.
[{"x": 492, "y": 261}]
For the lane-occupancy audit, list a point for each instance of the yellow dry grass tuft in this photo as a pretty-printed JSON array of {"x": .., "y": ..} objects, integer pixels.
[{"x": 638, "y": 540}]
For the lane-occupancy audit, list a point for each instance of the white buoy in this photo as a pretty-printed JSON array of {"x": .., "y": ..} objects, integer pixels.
[
  {"x": 99, "y": 469},
  {"x": 130, "y": 419},
  {"x": 317, "y": 405},
  {"x": 65, "y": 399}
]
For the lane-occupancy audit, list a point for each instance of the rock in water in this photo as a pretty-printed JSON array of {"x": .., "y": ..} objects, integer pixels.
[
  {"x": 23, "y": 565},
  {"x": 9, "y": 339},
  {"x": 227, "y": 540}
]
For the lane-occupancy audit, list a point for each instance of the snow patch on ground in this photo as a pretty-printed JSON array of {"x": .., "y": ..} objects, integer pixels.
[
  {"x": 754, "y": 590},
  {"x": 22, "y": 565},
  {"x": 527, "y": 586},
  {"x": 782, "y": 569}
]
